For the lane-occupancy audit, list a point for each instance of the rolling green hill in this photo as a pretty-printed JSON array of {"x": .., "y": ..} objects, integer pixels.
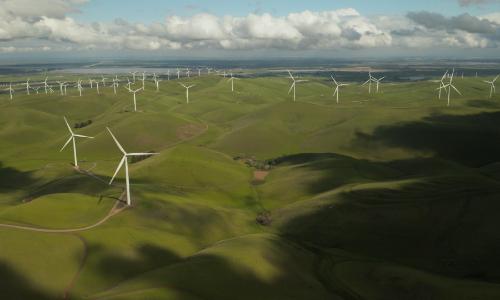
[{"x": 383, "y": 196}]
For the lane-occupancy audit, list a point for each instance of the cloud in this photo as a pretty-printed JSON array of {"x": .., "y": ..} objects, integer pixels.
[
  {"x": 47, "y": 23},
  {"x": 476, "y": 2},
  {"x": 463, "y": 22}
]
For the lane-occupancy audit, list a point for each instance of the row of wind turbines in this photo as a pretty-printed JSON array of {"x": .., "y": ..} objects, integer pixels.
[{"x": 446, "y": 84}]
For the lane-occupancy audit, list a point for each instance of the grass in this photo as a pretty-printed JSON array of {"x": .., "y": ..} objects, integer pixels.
[{"x": 383, "y": 196}]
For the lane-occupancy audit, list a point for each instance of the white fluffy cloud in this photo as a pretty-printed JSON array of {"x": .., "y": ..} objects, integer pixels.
[{"x": 48, "y": 20}]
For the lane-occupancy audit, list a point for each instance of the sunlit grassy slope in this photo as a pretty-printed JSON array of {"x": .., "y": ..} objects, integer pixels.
[{"x": 383, "y": 196}]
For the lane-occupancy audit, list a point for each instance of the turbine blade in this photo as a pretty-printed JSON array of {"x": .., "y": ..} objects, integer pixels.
[
  {"x": 69, "y": 141},
  {"x": 142, "y": 154},
  {"x": 83, "y": 136},
  {"x": 456, "y": 89},
  {"x": 118, "y": 168},
  {"x": 291, "y": 88},
  {"x": 116, "y": 141},
  {"x": 67, "y": 124}
]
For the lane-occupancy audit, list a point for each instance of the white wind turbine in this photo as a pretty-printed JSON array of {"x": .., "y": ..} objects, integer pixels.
[
  {"x": 449, "y": 86},
  {"x": 97, "y": 87},
  {"x": 377, "y": 81},
  {"x": 115, "y": 84},
  {"x": 28, "y": 86},
  {"x": 103, "y": 80},
  {"x": 187, "y": 91},
  {"x": 133, "y": 75},
  {"x": 143, "y": 80},
  {"x": 46, "y": 85},
  {"x": 72, "y": 138},
  {"x": 65, "y": 86},
  {"x": 61, "y": 87},
  {"x": 123, "y": 161},
  {"x": 188, "y": 73},
  {"x": 178, "y": 73},
  {"x": 337, "y": 88},
  {"x": 168, "y": 74},
  {"x": 232, "y": 81},
  {"x": 493, "y": 89},
  {"x": 11, "y": 90},
  {"x": 157, "y": 83},
  {"x": 91, "y": 82},
  {"x": 294, "y": 85},
  {"x": 199, "y": 72},
  {"x": 369, "y": 82},
  {"x": 79, "y": 86},
  {"x": 441, "y": 85},
  {"x": 135, "y": 100}
]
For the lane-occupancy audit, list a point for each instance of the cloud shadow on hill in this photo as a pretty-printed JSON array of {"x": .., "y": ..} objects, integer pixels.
[{"x": 471, "y": 140}]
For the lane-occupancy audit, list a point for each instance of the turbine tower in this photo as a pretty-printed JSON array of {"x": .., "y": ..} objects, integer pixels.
[
  {"x": 135, "y": 92},
  {"x": 294, "y": 85},
  {"x": 46, "y": 85},
  {"x": 72, "y": 138},
  {"x": 124, "y": 161},
  {"x": 187, "y": 91},
  {"x": 11, "y": 90},
  {"x": 28, "y": 86},
  {"x": 493, "y": 90},
  {"x": 232, "y": 81}
]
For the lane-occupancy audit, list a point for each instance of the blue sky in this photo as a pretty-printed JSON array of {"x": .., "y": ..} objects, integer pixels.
[
  {"x": 156, "y": 10},
  {"x": 223, "y": 28}
]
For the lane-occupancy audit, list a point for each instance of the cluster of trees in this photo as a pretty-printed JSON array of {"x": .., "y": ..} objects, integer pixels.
[
  {"x": 263, "y": 165},
  {"x": 264, "y": 218},
  {"x": 82, "y": 124}
]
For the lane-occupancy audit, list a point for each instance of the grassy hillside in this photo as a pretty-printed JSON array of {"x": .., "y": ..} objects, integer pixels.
[{"x": 383, "y": 196}]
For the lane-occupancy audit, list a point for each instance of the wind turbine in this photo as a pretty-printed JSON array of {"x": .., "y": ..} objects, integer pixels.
[
  {"x": 449, "y": 86},
  {"x": 28, "y": 86},
  {"x": 11, "y": 90},
  {"x": 143, "y": 79},
  {"x": 337, "y": 88},
  {"x": 168, "y": 74},
  {"x": 45, "y": 84},
  {"x": 103, "y": 80},
  {"x": 123, "y": 161},
  {"x": 187, "y": 91},
  {"x": 91, "y": 81},
  {"x": 294, "y": 85},
  {"x": 493, "y": 90},
  {"x": 115, "y": 83},
  {"x": 199, "y": 72},
  {"x": 378, "y": 81},
  {"x": 178, "y": 73},
  {"x": 133, "y": 75},
  {"x": 97, "y": 87},
  {"x": 441, "y": 85},
  {"x": 79, "y": 86},
  {"x": 157, "y": 83},
  {"x": 232, "y": 81},
  {"x": 135, "y": 92},
  {"x": 61, "y": 86},
  {"x": 188, "y": 72},
  {"x": 369, "y": 82},
  {"x": 72, "y": 138}
]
